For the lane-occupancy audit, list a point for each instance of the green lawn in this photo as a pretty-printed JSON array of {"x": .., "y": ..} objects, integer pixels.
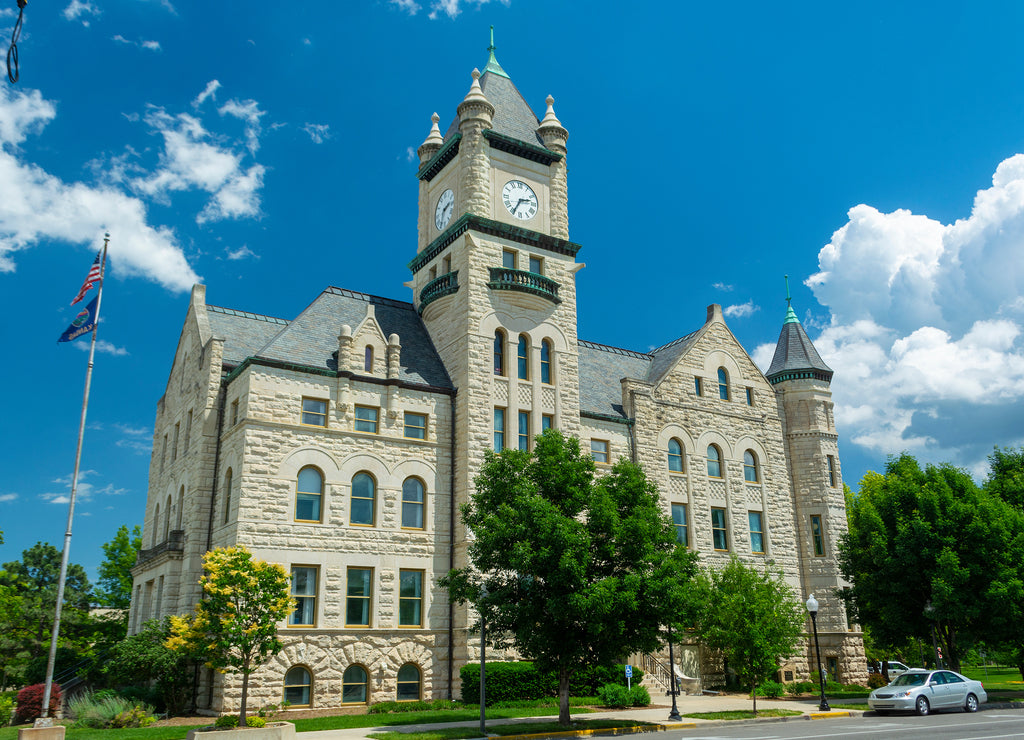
[
  {"x": 996, "y": 678},
  {"x": 533, "y": 728},
  {"x": 744, "y": 714}
]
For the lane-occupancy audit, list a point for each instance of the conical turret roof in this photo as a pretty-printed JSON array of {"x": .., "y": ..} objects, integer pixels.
[{"x": 795, "y": 355}]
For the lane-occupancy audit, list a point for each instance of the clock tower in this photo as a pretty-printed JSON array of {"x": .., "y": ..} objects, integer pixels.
[{"x": 494, "y": 280}]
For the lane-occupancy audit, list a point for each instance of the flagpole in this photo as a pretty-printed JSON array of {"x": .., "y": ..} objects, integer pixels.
[{"x": 45, "y": 720}]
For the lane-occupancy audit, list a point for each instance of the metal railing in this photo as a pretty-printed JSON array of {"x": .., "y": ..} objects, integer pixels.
[
  {"x": 438, "y": 288},
  {"x": 504, "y": 278}
]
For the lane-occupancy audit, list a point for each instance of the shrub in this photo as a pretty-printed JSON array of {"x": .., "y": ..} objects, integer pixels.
[
  {"x": 616, "y": 695},
  {"x": 254, "y": 721},
  {"x": 30, "y": 702},
  {"x": 226, "y": 720},
  {"x": 875, "y": 680},
  {"x": 270, "y": 711},
  {"x": 799, "y": 687},
  {"x": 521, "y": 681},
  {"x": 639, "y": 696},
  {"x": 771, "y": 689},
  {"x": 135, "y": 717},
  {"x": 6, "y": 709},
  {"x": 107, "y": 709}
]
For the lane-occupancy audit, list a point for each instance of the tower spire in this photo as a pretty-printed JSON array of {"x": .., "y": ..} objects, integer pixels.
[
  {"x": 492, "y": 61},
  {"x": 790, "y": 313}
]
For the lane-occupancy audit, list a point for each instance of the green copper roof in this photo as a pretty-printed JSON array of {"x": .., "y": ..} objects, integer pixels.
[
  {"x": 790, "y": 313},
  {"x": 492, "y": 61},
  {"x": 795, "y": 356}
]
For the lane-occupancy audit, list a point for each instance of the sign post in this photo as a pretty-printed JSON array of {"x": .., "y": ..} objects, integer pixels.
[{"x": 629, "y": 677}]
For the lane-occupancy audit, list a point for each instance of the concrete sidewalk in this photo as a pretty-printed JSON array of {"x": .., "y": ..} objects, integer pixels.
[{"x": 656, "y": 715}]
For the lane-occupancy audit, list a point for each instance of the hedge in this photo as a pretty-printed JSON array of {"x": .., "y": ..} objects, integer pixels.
[{"x": 522, "y": 681}]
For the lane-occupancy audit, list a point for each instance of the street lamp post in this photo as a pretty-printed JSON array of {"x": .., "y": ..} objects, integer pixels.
[
  {"x": 674, "y": 714},
  {"x": 483, "y": 666},
  {"x": 812, "y": 607}
]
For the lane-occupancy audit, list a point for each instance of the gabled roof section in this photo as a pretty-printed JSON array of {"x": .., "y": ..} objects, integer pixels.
[
  {"x": 795, "y": 356},
  {"x": 601, "y": 369},
  {"x": 666, "y": 356},
  {"x": 311, "y": 339},
  {"x": 513, "y": 116},
  {"x": 243, "y": 333}
]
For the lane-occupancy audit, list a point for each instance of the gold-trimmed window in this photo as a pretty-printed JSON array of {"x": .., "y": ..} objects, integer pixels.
[
  {"x": 366, "y": 419},
  {"x": 355, "y": 685},
  {"x": 304, "y": 581},
  {"x": 675, "y": 456},
  {"x": 524, "y": 430},
  {"x": 499, "y": 429},
  {"x": 408, "y": 683},
  {"x": 413, "y": 503},
  {"x": 523, "y": 357},
  {"x": 410, "y": 598},
  {"x": 756, "y": 522},
  {"x": 359, "y": 597},
  {"x": 364, "y": 500},
  {"x": 309, "y": 494},
  {"x": 714, "y": 462},
  {"x": 719, "y": 533},
  {"x": 415, "y": 425},
  {"x": 681, "y": 524},
  {"x": 547, "y": 421},
  {"x": 314, "y": 412},
  {"x": 751, "y": 469},
  {"x": 298, "y": 686},
  {"x": 599, "y": 451},
  {"x": 545, "y": 361}
]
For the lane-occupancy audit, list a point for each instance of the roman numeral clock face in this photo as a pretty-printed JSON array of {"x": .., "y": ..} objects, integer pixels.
[{"x": 519, "y": 199}]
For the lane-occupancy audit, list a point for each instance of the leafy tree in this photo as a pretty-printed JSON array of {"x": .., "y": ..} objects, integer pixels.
[
  {"x": 30, "y": 585},
  {"x": 1006, "y": 475},
  {"x": 114, "y": 587},
  {"x": 144, "y": 657},
  {"x": 928, "y": 547},
  {"x": 235, "y": 627},
  {"x": 571, "y": 569},
  {"x": 751, "y": 616}
]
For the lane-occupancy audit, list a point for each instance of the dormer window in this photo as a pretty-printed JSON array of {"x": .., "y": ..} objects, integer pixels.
[
  {"x": 723, "y": 384},
  {"x": 368, "y": 359}
]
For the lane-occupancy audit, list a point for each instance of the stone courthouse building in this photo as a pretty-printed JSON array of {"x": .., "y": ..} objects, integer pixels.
[{"x": 340, "y": 442}]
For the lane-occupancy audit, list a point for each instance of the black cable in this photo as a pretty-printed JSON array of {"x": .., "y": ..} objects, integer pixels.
[{"x": 12, "y": 52}]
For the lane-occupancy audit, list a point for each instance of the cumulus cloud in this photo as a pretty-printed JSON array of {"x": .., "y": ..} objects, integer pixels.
[
  {"x": 79, "y": 10},
  {"x": 741, "y": 310},
  {"x": 927, "y": 326},
  {"x": 248, "y": 111}
]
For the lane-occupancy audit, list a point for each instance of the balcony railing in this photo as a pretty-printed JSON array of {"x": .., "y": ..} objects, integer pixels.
[
  {"x": 175, "y": 542},
  {"x": 503, "y": 278},
  {"x": 439, "y": 288}
]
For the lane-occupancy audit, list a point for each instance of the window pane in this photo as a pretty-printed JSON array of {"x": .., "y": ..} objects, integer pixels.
[
  {"x": 499, "y": 430},
  {"x": 357, "y": 605},
  {"x": 524, "y": 430},
  {"x": 408, "y": 683},
  {"x": 499, "y": 353},
  {"x": 546, "y": 422},
  {"x": 750, "y": 467},
  {"x": 675, "y": 456},
  {"x": 756, "y": 531},
  {"x": 508, "y": 260},
  {"x": 366, "y": 419},
  {"x": 410, "y": 598},
  {"x": 363, "y": 492},
  {"x": 415, "y": 425},
  {"x": 545, "y": 362},
  {"x": 536, "y": 265},
  {"x": 723, "y": 384},
  {"x": 353, "y": 685},
  {"x": 412, "y": 504},
  {"x": 310, "y": 481},
  {"x": 523, "y": 359},
  {"x": 714, "y": 462},
  {"x": 750, "y": 396},
  {"x": 817, "y": 537},
  {"x": 314, "y": 412},
  {"x": 599, "y": 450},
  {"x": 718, "y": 532},
  {"x": 679, "y": 519},
  {"x": 296, "y": 686},
  {"x": 368, "y": 359},
  {"x": 697, "y": 386}
]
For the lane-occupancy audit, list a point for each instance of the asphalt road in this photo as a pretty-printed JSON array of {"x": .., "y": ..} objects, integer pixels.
[{"x": 994, "y": 724}]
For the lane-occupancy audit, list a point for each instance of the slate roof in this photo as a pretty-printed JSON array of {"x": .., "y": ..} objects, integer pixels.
[
  {"x": 666, "y": 355},
  {"x": 243, "y": 333},
  {"x": 512, "y": 114},
  {"x": 794, "y": 352},
  {"x": 601, "y": 368},
  {"x": 311, "y": 339}
]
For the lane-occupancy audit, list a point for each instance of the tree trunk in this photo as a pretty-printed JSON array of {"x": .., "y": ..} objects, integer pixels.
[
  {"x": 245, "y": 693},
  {"x": 1019, "y": 655},
  {"x": 753, "y": 695},
  {"x": 563, "y": 697}
]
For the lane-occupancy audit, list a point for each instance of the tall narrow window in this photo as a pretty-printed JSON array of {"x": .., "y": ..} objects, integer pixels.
[
  {"x": 817, "y": 536},
  {"x": 234, "y": 413},
  {"x": 364, "y": 493},
  {"x": 174, "y": 449},
  {"x": 831, "y": 471},
  {"x": 756, "y": 520},
  {"x": 412, "y": 503},
  {"x": 547, "y": 421},
  {"x": 368, "y": 359},
  {"x": 304, "y": 578},
  {"x": 180, "y": 508},
  {"x": 508, "y": 259},
  {"x": 156, "y": 529},
  {"x": 188, "y": 429},
  {"x": 524, "y": 430},
  {"x": 163, "y": 454},
  {"x": 523, "y": 357},
  {"x": 167, "y": 519},
  {"x": 536, "y": 265},
  {"x": 354, "y": 685},
  {"x": 499, "y": 429},
  {"x": 723, "y": 384},
  {"x": 298, "y": 684},
  {"x": 675, "y": 455},
  {"x": 358, "y": 597},
  {"x": 499, "y": 352},
  {"x": 714, "y": 462},
  {"x": 750, "y": 396},
  {"x": 446, "y": 265},
  {"x": 545, "y": 362},
  {"x": 314, "y": 412},
  {"x": 679, "y": 520},
  {"x": 309, "y": 493},
  {"x": 410, "y": 598},
  {"x": 408, "y": 683},
  {"x": 599, "y": 450},
  {"x": 227, "y": 495},
  {"x": 751, "y": 471},
  {"x": 366, "y": 419},
  {"x": 718, "y": 532},
  {"x": 698, "y": 386}
]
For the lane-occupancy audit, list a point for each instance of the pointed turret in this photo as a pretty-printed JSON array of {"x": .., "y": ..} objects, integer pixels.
[
  {"x": 432, "y": 143},
  {"x": 795, "y": 355}
]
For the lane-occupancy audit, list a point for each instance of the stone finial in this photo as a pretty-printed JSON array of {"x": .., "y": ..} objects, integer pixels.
[
  {"x": 345, "y": 348},
  {"x": 551, "y": 130},
  {"x": 432, "y": 143},
  {"x": 475, "y": 91},
  {"x": 346, "y": 331},
  {"x": 476, "y": 105},
  {"x": 714, "y": 314},
  {"x": 394, "y": 354}
]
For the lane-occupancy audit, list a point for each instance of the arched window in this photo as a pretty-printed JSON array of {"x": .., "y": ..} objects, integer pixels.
[
  {"x": 751, "y": 472},
  {"x": 545, "y": 362},
  {"x": 412, "y": 503},
  {"x": 714, "y": 462},
  {"x": 298, "y": 687},
  {"x": 675, "y": 455},
  {"x": 181, "y": 506},
  {"x": 167, "y": 519},
  {"x": 499, "y": 352},
  {"x": 408, "y": 683},
  {"x": 309, "y": 494},
  {"x": 523, "y": 357},
  {"x": 227, "y": 495},
  {"x": 723, "y": 384},
  {"x": 368, "y": 359},
  {"x": 354, "y": 689},
  {"x": 364, "y": 492},
  {"x": 156, "y": 525}
]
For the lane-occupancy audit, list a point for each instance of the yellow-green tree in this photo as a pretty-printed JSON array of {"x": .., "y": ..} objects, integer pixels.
[{"x": 234, "y": 629}]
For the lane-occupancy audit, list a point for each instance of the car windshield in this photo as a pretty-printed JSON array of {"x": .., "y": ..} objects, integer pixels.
[{"x": 911, "y": 679}]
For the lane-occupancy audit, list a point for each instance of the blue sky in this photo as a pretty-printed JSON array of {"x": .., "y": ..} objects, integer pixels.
[{"x": 870, "y": 151}]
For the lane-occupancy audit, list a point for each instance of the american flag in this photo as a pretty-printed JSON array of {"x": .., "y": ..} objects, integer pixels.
[{"x": 90, "y": 279}]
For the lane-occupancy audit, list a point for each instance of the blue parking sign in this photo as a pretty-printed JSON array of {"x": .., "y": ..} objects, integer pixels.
[{"x": 629, "y": 671}]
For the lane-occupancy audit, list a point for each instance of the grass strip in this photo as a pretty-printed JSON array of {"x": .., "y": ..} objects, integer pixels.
[
  {"x": 744, "y": 714},
  {"x": 859, "y": 707},
  {"x": 345, "y": 721},
  {"x": 521, "y": 728}
]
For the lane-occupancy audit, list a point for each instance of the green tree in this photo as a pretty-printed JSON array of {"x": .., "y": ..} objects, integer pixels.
[
  {"x": 145, "y": 657},
  {"x": 235, "y": 627},
  {"x": 571, "y": 569},
  {"x": 929, "y": 548},
  {"x": 114, "y": 586},
  {"x": 1006, "y": 475},
  {"x": 751, "y": 616}
]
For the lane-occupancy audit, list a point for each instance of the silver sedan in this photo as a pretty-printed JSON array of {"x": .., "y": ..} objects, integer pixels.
[{"x": 923, "y": 691}]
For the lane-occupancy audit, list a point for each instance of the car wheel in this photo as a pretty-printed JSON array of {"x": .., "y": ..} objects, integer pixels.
[
  {"x": 921, "y": 707},
  {"x": 972, "y": 703}
]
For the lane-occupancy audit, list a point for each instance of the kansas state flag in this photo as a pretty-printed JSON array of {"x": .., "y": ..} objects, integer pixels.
[{"x": 83, "y": 323}]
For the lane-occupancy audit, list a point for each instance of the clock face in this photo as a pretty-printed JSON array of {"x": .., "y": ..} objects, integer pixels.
[
  {"x": 444, "y": 209},
  {"x": 519, "y": 199}
]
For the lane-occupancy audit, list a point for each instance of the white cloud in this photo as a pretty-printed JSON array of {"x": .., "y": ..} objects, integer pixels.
[
  {"x": 241, "y": 253},
  {"x": 409, "y": 6},
  {"x": 741, "y": 310},
  {"x": 103, "y": 346},
  {"x": 450, "y": 8},
  {"x": 318, "y": 132},
  {"x": 722, "y": 286},
  {"x": 133, "y": 431},
  {"x": 149, "y": 45},
  {"x": 248, "y": 111},
  {"x": 5, "y": 497},
  {"x": 79, "y": 9},
  {"x": 927, "y": 326},
  {"x": 210, "y": 91}
]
